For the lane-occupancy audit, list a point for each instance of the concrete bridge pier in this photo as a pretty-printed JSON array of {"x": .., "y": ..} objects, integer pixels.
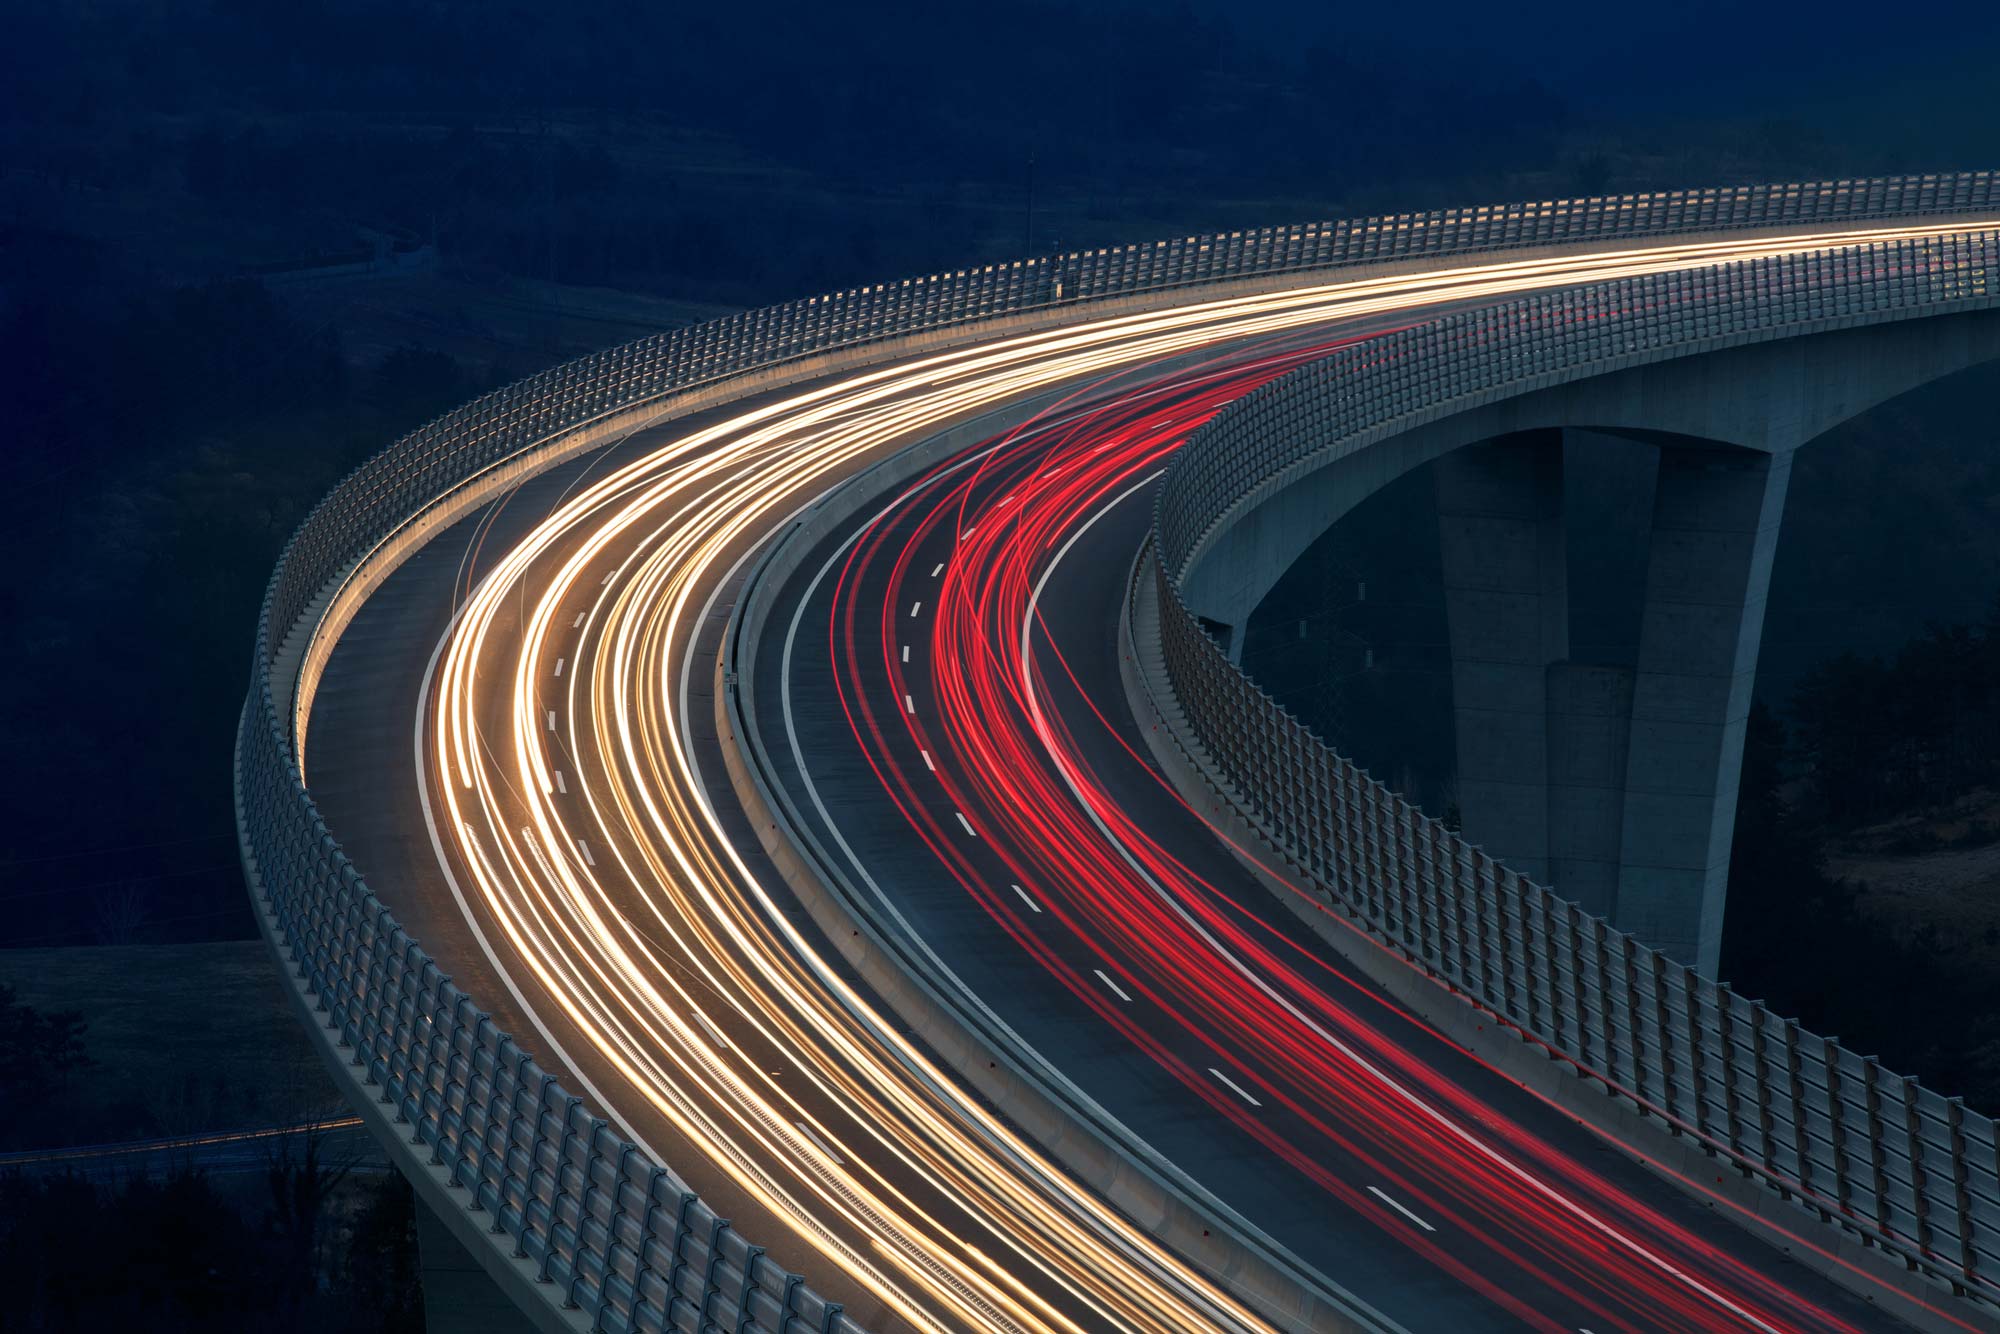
[
  {"x": 1506, "y": 588},
  {"x": 1613, "y": 781},
  {"x": 1715, "y": 531},
  {"x": 460, "y": 1297}
]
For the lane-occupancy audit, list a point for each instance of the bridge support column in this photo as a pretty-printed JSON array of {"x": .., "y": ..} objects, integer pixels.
[
  {"x": 1590, "y": 720},
  {"x": 1500, "y": 528},
  {"x": 459, "y": 1296},
  {"x": 1715, "y": 530},
  {"x": 1614, "y": 783}
]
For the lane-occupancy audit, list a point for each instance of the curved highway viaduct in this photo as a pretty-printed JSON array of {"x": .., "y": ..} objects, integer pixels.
[
  {"x": 1614, "y": 783},
  {"x": 561, "y": 1198}
]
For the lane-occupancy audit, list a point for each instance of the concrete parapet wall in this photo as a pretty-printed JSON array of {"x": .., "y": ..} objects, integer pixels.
[
  {"x": 1905, "y": 1171},
  {"x": 1666, "y": 1147}
]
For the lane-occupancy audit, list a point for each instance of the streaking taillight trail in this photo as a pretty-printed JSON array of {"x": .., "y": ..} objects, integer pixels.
[{"x": 1189, "y": 974}]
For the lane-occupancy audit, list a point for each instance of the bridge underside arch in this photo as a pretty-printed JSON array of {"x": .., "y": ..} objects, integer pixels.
[{"x": 1615, "y": 782}]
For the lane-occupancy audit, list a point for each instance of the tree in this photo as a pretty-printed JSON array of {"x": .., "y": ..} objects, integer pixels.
[{"x": 36, "y": 1051}]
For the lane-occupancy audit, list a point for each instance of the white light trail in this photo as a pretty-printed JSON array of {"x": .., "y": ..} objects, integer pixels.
[{"x": 649, "y": 955}]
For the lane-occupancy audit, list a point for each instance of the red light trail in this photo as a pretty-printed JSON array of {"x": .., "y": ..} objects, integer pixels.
[{"x": 994, "y": 781}]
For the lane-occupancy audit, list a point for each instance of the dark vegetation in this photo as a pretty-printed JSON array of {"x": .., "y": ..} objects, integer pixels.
[
  {"x": 1802, "y": 941},
  {"x": 304, "y": 1243},
  {"x": 1866, "y": 739},
  {"x": 168, "y": 439},
  {"x": 636, "y": 144},
  {"x": 1875, "y": 737},
  {"x": 305, "y": 1248},
  {"x": 37, "y": 1051}
]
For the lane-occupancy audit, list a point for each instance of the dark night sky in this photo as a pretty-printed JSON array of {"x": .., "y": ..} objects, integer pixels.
[{"x": 1737, "y": 54}]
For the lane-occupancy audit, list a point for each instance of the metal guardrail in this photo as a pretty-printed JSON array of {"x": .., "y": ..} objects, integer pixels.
[
  {"x": 1912, "y": 1172},
  {"x": 624, "y": 1238}
]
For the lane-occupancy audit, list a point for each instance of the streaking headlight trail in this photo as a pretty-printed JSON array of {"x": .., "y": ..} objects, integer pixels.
[{"x": 572, "y": 817}]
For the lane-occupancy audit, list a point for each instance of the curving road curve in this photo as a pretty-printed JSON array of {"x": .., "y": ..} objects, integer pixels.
[{"x": 576, "y": 801}]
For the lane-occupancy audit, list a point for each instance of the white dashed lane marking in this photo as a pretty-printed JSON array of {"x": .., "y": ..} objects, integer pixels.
[
  {"x": 1380, "y": 1195},
  {"x": 1116, "y": 990},
  {"x": 1234, "y": 1087},
  {"x": 818, "y": 1143}
]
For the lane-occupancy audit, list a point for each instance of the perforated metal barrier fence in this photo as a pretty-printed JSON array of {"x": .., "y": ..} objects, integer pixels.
[
  {"x": 1907, "y": 1169},
  {"x": 619, "y": 1233}
]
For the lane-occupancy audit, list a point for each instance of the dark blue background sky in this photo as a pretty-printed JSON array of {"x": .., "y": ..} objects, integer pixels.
[{"x": 1626, "y": 55}]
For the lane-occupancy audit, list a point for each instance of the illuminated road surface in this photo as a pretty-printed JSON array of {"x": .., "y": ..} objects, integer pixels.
[{"x": 580, "y": 829}]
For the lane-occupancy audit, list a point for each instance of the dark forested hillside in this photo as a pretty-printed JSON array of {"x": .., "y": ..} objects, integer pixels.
[{"x": 574, "y": 175}]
